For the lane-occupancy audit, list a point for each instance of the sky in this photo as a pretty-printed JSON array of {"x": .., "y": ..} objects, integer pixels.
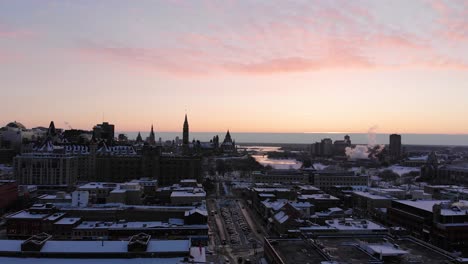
[{"x": 248, "y": 66}]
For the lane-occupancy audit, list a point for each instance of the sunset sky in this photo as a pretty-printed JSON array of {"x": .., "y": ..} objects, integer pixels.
[{"x": 250, "y": 66}]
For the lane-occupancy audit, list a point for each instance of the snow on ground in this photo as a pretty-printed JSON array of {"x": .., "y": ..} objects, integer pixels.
[
  {"x": 320, "y": 166},
  {"x": 400, "y": 170},
  {"x": 13, "y": 260},
  {"x": 281, "y": 164}
]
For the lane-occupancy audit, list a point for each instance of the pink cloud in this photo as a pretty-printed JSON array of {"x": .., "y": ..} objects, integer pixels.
[
  {"x": 452, "y": 17},
  {"x": 11, "y": 33},
  {"x": 313, "y": 37}
]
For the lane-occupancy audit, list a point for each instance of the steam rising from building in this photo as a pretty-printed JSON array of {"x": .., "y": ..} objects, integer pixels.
[{"x": 366, "y": 152}]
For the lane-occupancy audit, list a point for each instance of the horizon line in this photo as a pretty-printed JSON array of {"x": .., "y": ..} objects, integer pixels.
[{"x": 328, "y": 132}]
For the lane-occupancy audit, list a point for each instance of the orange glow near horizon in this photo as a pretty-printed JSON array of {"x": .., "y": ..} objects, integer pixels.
[{"x": 247, "y": 66}]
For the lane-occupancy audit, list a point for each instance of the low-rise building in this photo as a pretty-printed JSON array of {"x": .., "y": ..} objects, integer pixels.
[
  {"x": 8, "y": 194},
  {"x": 188, "y": 197},
  {"x": 281, "y": 176},
  {"x": 366, "y": 204},
  {"x": 442, "y": 222},
  {"x": 320, "y": 201},
  {"x": 347, "y": 226},
  {"x": 327, "y": 180}
]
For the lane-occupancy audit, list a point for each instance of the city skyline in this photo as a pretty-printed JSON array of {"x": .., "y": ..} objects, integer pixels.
[{"x": 247, "y": 66}]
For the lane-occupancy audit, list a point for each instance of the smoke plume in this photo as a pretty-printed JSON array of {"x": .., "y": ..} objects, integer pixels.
[{"x": 366, "y": 152}]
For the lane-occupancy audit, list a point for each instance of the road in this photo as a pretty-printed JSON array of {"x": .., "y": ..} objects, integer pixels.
[{"x": 229, "y": 212}]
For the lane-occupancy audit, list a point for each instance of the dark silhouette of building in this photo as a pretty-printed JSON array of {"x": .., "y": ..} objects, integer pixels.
[
  {"x": 339, "y": 146},
  {"x": 51, "y": 132},
  {"x": 152, "y": 138},
  {"x": 228, "y": 144},
  {"x": 185, "y": 136},
  {"x": 395, "y": 146},
  {"x": 104, "y": 131},
  {"x": 429, "y": 170},
  {"x": 9, "y": 194},
  {"x": 77, "y": 136},
  {"x": 139, "y": 139},
  {"x": 176, "y": 168}
]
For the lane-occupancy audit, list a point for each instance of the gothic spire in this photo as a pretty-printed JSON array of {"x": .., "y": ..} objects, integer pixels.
[{"x": 185, "y": 136}]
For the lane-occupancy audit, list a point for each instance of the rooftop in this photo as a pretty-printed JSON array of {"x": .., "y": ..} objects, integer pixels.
[
  {"x": 372, "y": 196},
  {"x": 296, "y": 251},
  {"x": 136, "y": 225},
  {"x": 319, "y": 196},
  {"x": 354, "y": 224},
  {"x": 73, "y": 247},
  {"x": 448, "y": 207},
  {"x": 188, "y": 194},
  {"x": 349, "y": 249},
  {"x": 98, "y": 185},
  {"x": 67, "y": 221},
  {"x": 26, "y": 215}
]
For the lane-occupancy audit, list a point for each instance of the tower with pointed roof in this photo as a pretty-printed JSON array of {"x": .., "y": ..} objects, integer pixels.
[
  {"x": 138, "y": 138},
  {"x": 152, "y": 137},
  {"x": 228, "y": 144},
  {"x": 51, "y": 132},
  {"x": 185, "y": 134}
]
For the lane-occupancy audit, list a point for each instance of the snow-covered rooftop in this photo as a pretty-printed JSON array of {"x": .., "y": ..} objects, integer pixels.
[
  {"x": 354, "y": 224},
  {"x": 319, "y": 196},
  {"x": 67, "y": 221},
  {"x": 27, "y": 215},
  {"x": 386, "y": 249},
  {"x": 281, "y": 217},
  {"x": 372, "y": 196},
  {"x": 188, "y": 194},
  {"x": 12, "y": 260}
]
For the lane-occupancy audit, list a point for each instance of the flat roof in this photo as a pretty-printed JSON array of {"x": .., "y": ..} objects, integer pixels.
[
  {"x": 106, "y": 246},
  {"x": 319, "y": 196},
  {"x": 67, "y": 221},
  {"x": 296, "y": 251},
  {"x": 372, "y": 196},
  {"x": 425, "y": 205},
  {"x": 188, "y": 194},
  {"x": 10, "y": 246},
  {"x": 85, "y": 247},
  {"x": 135, "y": 225},
  {"x": 345, "y": 249},
  {"x": 55, "y": 216},
  {"x": 98, "y": 185},
  {"x": 26, "y": 215},
  {"x": 354, "y": 224},
  {"x": 12, "y": 260},
  {"x": 271, "y": 190},
  {"x": 386, "y": 249},
  {"x": 168, "y": 246}
]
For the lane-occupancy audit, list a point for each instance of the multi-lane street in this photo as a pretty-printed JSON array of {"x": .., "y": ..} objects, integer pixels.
[{"x": 235, "y": 235}]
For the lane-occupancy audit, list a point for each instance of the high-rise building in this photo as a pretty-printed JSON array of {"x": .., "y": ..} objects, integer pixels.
[
  {"x": 395, "y": 146},
  {"x": 326, "y": 147},
  {"x": 339, "y": 146}
]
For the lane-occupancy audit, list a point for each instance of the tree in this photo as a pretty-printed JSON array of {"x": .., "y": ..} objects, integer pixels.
[
  {"x": 221, "y": 167},
  {"x": 307, "y": 163},
  {"x": 388, "y": 175}
]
